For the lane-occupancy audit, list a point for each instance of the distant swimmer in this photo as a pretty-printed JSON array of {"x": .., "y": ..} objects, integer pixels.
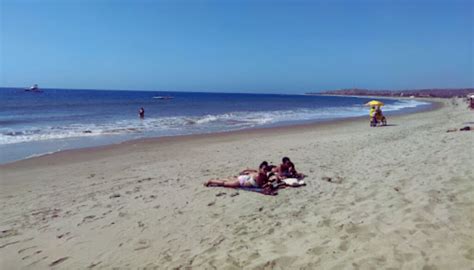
[{"x": 141, "y": 113}]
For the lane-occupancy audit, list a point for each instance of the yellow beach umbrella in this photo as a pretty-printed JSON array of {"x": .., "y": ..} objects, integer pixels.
[{"x": 373, "y": 103}]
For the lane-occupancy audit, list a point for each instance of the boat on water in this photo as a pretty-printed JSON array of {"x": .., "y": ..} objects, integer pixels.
[
  {"x": 163, "y": 97},
  {"x": 33, "y": 88}
]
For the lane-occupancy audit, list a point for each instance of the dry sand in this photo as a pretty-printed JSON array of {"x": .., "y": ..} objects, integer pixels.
[{"x": 401, "y": 197}]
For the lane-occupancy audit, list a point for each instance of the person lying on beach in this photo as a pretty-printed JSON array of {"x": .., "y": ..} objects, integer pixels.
[
  {"x": 287, "y": 169},
  {"x": 272, "y": 173},
  {"x": 254, "y": 179}
]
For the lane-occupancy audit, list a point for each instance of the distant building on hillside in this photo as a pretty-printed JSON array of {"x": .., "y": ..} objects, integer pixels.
[{"x": 424, "y": 95}]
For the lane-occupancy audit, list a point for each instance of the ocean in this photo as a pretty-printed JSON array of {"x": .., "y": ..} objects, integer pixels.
[{"x": 33, "y": 124}]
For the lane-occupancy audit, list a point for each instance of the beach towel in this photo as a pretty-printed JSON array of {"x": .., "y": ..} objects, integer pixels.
[
  {"x": 264, "y": 191},
  {"x": 294, "y": 182}
]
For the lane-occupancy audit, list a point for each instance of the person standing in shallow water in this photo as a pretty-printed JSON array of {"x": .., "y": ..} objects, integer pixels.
[{"x": 141, "y": 113}]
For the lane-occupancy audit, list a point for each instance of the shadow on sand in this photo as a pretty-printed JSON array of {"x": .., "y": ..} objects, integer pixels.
[{"x": 388, "y": 125}]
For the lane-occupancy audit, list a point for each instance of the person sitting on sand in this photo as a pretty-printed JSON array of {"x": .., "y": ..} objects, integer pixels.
[
  {"x": 274, "y": 178},
  {"x": 252, "y": 179},
  {"x": 287, "y": 169},
  {"x": 379, "y": 117},
  {"x": 378, "y": 112}
]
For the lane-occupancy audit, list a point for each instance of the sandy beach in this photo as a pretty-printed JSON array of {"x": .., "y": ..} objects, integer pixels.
[{"x": 400, "y": 197}]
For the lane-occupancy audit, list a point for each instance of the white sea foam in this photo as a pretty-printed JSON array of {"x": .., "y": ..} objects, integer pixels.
[
  {"x": 402, "y": 104},
  {"x": 42, "y": 154},
  {"x": 187, "y": 125}
]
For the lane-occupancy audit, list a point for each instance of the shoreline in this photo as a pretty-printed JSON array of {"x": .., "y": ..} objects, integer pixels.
[{"x": 435, "y": 104}]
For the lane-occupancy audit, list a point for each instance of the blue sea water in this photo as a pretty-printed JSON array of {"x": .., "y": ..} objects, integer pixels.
[{"x": 57, "y": 119}]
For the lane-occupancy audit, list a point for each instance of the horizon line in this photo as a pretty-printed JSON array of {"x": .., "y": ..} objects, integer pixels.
[{"x": 276, "y": 93}]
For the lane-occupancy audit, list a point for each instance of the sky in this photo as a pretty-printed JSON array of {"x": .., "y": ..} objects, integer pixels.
[{"x": 244, "y": 46}]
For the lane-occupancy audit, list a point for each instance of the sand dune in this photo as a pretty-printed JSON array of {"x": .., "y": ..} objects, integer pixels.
[{"x": 400, "y": 197}]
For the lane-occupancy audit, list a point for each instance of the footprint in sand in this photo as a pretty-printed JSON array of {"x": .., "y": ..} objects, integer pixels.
[
  {"x": 350, "y": 227},
  {"x": 142, "y": 244},
  {"x": 295, "y": 234},
  {"x": 144, "y": 179},
  {"x": 58, "y": 261},
  {"x": 211, "y": 203},
  {"x": 315, "y": 251},
  {"x": 37, "y": 261},
  {"x": 344, "y": 245},
  {"x": 335, "y": 179},
  {"x": 324, "y": 223},
  {"x": 62, "y": 235},
  {"x": 31, "y": 255},
  {"x": 87, "y": 219},
  {"x": 8, "y": 233},
  {"x": 25, "y": 249},
  {"x": 470, "y": 254},
  {"x": 284, "y": 262},
  {"x": 92, "y": 265}
]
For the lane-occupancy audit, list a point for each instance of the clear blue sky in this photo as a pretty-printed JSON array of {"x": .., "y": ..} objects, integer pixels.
[{"x": 237, "y": 46}]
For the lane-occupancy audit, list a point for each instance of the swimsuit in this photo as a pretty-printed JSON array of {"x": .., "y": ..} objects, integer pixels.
[{"x": 245, "y": 180}]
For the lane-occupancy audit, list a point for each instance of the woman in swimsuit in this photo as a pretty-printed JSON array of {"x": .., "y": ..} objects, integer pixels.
[
  {"x": 287, "y": 170},
  {"x": 254, "y": 179}
]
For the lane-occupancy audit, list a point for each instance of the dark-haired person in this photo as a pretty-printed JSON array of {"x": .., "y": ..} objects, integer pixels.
[
  {"x": 287, "y": 169},
  {"x": 379, "y": 117},
  {"x": 141, "y": 113},
  {"x": 253, "y": 179}
]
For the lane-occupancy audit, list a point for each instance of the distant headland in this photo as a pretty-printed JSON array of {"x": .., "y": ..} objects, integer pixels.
[{"x": 437, "y": 93}]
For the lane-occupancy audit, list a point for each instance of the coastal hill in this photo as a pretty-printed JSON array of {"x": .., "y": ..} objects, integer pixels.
[{"x": 438, "y": 93}]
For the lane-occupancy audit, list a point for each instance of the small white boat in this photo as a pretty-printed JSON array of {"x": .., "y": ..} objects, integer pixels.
[{"x": 33, "y": 88}]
